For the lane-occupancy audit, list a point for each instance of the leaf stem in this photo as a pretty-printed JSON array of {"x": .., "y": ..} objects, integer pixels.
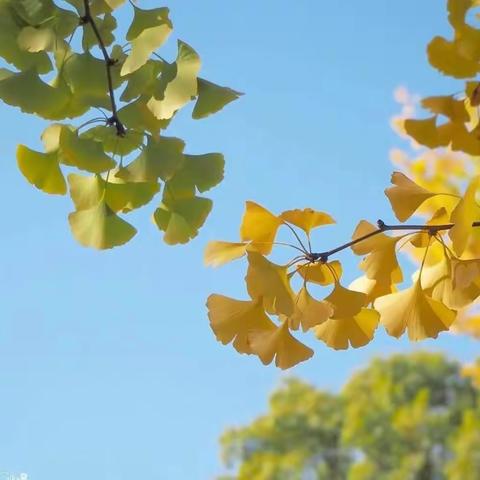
[{"x": 109, "y": 63}]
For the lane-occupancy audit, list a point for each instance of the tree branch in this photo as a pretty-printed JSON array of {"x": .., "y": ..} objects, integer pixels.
[
  {"x": 382, "y": 227},
  {"x": 109, "y": 63}
]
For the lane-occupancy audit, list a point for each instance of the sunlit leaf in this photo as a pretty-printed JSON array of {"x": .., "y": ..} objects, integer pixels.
[
  {"x": 308, "y": 312},
  {"x": 41, "y": 170},
  {"x": 269, "y": 281},
  {"x": 99, "y": 227},
  {"x": 232, "y": 320},
  {"x": 321, "y": 273},
  {"x": 307, "y": 219},
  {"x": 219, "y": 253},
  {"x": 281, "y": 345},
  {"x": 412, "y": 310}
]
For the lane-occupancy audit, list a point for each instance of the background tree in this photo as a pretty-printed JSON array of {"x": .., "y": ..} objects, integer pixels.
[{"x": 406, "y": 417}]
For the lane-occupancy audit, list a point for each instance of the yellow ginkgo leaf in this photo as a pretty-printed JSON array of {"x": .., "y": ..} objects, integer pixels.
[
  {"x": 281, "y": 345},
  {"x": 99, "y": 227},
  {"x": 465, "y": 272},
  {"x": 232, "y": 319},
  {"x": 51, "y": 137},
  {"x": 465, "y": 213},
  {"x": 182, "y": 88},
  {"x": 448, "y": 58},
  {"x": 425, "y": 132},
  {"x": 381, "y": 263},
  {"x": 412, "y": 310},
  {"x": 450, "y": 107},
  {"x": 41, "y": 170},
  {"x": 260, "y": 227},
  {"x": 150, "y": 29},
  {"x": 83, "y": 153},
  {"x": 356, "y": 331},
  {"x": 309, "y": 312},
  {"x": 406, "y": 196},
  {"x": 307, "y": 218},
  {"x": 371, "y": 288},
  {"x": 346, "y": 303},
  {"x": 269, "y": 281},
  {"x": 321, "y": 273},
  {"x": 219, "y": 253}
]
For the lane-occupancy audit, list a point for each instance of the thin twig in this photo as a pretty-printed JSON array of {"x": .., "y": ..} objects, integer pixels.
[
  {"x": 382, "y": 227},
  {"x": 109, "y": 63}
]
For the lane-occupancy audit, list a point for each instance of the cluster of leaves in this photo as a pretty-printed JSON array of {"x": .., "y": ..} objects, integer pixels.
[
  {"x": 421, "y": 423},
  {"x": 123, "y": 154},
  {"x": 446, "y": 247}
]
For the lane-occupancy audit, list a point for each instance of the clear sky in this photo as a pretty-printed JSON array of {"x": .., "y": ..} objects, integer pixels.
[{"x": 108, "y": 367}]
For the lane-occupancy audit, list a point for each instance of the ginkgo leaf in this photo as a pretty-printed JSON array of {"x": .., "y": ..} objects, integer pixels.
[
  {"x": 260, "y": 227},
  {"x": 159, "y": 159},
  {"x": 406, "y": 196},
  {"x": 412, "y": 310},
  {"x": 465, "y": 213},
  {"x": 371, "y": 288},
  {"x": 41, "y": 170},
  {"x": 51, "y": 137},
  {"x": 137, "y": 116},
  {"x": 86, "y": 192},
  {"x": 308, "y": 312},
  {"x": 99, "y": 227},
  {"x": 447, "y": 105},
  {"x": 219, "y": 253},
  {"x": 181, "y": 219},
  {"x": 142, "y": 81},
  {"x": 448, "y": 58},
  {"x": 269, "y": 281},
  {"x": 307, "y": 219},
  {"x": 197, "y": 172},
  {"x": 321, "y": 273},
  {"x": 36, "y": 39},
  {"x": 425, "y": 132},
  {"x": 233, "y": 320},
  {"x": 83, "y": 153},
  {"x": 281, "y": 345},
  {"x": 183, "y": 86},
  {"x": 346, "y": 303},
  {"x": 356, "y": 331},
  {"x": 106, "y": 25},
  {"x": 212, "y": 98},
  {"x": 381, "y": 263},
  {"x": 112, "y": 142},
  {"x": 28, "y": 92}
]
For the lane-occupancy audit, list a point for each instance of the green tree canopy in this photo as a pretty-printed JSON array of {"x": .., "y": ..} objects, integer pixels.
[{"x": 409, "y": 417}]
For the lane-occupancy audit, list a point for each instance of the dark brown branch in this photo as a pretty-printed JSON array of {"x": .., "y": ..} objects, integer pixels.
[
  {"x": 382, "y": 227},
  {"x": 109, "y": 63}
]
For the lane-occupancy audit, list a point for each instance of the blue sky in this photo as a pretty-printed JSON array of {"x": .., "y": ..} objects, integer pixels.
[{"x": 108, "y": 368}]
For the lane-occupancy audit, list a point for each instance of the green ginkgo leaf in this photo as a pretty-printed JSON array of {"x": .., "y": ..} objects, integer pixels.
[
  {"x": 86, "y": 192},
  {"x": 212, "y": 98},
  {"x": 41, "y": 170},
  {"x": 159, "y": 159},
  {"x": 137, "y": 116},
  {"x": 142, "y": 81},
  {"x": 99, "y": 227},
  {"x": 10, "y": 49},
  {"x": 112, "y": 143},
  {"x": 28, "y": 92},
  {"x": 83, "y": 153},
  {"x": 105, "y": 26},
  {"x": 149, "y": 30},
  {"x": 198, "y": 172},
  {"x": 182, "y": 88},
  {"x": 36, "y": 39},
  {"x": 181, "y": 219}
]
